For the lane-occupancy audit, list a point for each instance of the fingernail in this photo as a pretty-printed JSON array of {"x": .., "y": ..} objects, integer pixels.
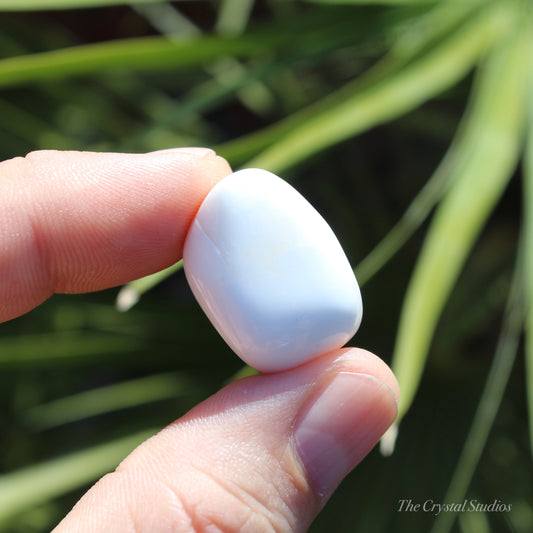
[
  {"x": 341, "y": 426},
  {"x": 192, "y": 150}
]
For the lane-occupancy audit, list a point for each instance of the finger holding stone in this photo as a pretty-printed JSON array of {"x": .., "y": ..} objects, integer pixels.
[{"x": 82, "y": 221}]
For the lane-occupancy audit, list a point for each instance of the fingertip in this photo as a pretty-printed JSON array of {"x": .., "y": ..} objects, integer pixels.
[
  {"x": 85, "y": 221},
  {"x": 362, "y": 361},
  {"x": 349, "y": 410}
]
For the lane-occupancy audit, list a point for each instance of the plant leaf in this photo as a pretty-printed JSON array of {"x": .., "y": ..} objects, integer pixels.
[
  {"x": 372, "y": 2},
  {"x": 382, "y": 96},
  {"x": 144, "y": 53},
  {"x": 130, "y": 294},
  {"x": 461, "y": 214},
  {"x": 36, "y": 484},
  {"x": 528, "y": 245},
  {"x": 101, "y": 400},
  {"x": 432, "y": 26},
  {"x": 39, "y": 5},
  {"x": 71, "y": 346},
  {"x": 490, "y": 401},
  {"x": 458, "y": 155}
]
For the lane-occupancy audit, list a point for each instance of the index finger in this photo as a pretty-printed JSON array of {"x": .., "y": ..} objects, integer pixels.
[{"x": 75, "y": 222}]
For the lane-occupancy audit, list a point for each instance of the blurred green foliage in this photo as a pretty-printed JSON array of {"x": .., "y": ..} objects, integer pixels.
[{"x": 381, "y": 113}]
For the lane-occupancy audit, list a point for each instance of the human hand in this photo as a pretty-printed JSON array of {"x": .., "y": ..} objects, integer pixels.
[{"x": 263, "y": 454}]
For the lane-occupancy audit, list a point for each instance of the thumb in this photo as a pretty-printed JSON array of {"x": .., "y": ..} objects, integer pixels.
[{"x": 263, "y": 454}]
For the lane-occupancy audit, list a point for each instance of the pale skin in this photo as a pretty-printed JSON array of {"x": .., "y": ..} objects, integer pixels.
[{"x": 263, "y": 454}]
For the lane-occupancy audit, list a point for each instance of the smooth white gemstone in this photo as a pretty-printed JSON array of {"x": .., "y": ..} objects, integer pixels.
[{"x": 269, "y": 272}]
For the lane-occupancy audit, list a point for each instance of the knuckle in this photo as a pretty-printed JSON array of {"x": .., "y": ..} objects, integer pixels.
[
  {"x": 20, "y": 165},
  {"x": 214, "y": 505},
  {"x": 250, "y": 511}
]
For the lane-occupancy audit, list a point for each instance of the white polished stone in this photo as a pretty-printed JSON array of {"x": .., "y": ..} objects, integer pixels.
[{"x": 269, "y": 272}]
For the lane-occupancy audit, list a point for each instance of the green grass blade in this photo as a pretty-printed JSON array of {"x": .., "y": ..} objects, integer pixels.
[
  {"x": 420, "y": 208},
  {"x": 439, "y": 23},
  {"x": 464, "y": 210},
  {"x": 233, "y": 16},
  {"x": 528, "y": 223},
  {"x": 490, "y": 400},
  {"x": 39, "y": 5},
  {"x": 157, "y": 53},
  {"x": 411, "y": 220},
  {"x": 130, "y": 294},
  {"x": 69, "y": 347},
  {"x": 25, "y": 125},
  {"x": 373, "y": 2},
  {"x": 384, "y": 98},
  {"x": 140, "y": 54},
  {"x": 110, "y": 398},
  {"x": 477, "y": 522},
  {"x": 244, "y": 372},
  {"x": 33, "y": 485},
  {"x": 457, "y": 156}
]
